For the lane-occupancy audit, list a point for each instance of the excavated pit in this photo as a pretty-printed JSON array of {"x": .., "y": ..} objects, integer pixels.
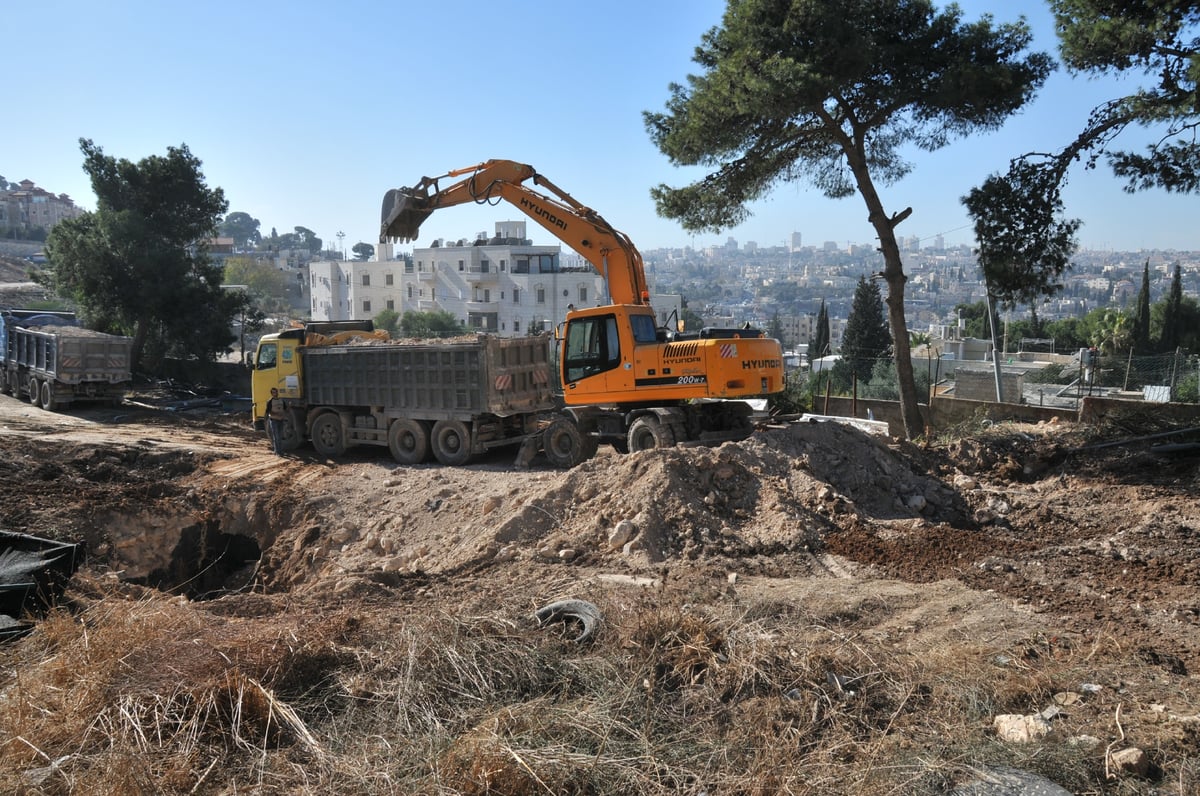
[
  {"x": 139, "y": 512},
  {"x": 206, "y": 563}
]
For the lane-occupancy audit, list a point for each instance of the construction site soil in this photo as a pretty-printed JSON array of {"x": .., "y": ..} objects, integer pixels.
[{"x": 1001, "y": 547}]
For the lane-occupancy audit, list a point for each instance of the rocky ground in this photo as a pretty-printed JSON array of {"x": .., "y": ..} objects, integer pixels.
[{"x": 1005, "y": 546}]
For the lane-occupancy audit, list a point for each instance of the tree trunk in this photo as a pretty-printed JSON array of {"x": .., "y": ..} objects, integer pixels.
[
  {"x": 141, "y": 330},
  {"x": 893, "y": 275}
]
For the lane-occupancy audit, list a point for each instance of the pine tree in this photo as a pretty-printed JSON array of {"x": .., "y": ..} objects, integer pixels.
[
  {"x": 819, "y": 347},
  {"x": 867, "y": 338},
  {"x": 1141, "y": 318}
]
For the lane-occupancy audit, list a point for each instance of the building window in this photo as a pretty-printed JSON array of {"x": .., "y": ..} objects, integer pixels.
[
  {"x": 391, "y": 305},
  {"x": 366, "y": 306},
  {"x": 504, "y": 265},
  {"x": 541, "y": 295},
  {"x": 387, "y": 280},
  {"x": 583, "y": 294},
  {"x": 516, "y": 295},
  {"x": 410, "y": 291},
  {"x": 461, "y": 265},
  {"x": 366, "y": 280},
  {"x": 516, "y": 326}
]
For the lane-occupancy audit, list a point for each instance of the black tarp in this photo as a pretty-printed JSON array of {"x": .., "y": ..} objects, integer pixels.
[{"x": 33, "y": 574}]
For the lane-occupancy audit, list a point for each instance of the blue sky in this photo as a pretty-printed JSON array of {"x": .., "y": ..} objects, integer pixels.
[{"x": 306, "y": 113}]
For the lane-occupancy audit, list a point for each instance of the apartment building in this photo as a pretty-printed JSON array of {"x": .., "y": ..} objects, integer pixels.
[
  {"x": 30, "y": 208},
  {"x": 503, "y": 285},
  {"x": 799, "y": 330}
]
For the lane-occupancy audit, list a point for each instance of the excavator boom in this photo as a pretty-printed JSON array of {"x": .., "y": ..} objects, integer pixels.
[{"x": 608, "y": 250}]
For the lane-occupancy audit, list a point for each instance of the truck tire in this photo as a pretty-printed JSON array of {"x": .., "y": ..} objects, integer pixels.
[
  {"x": 565, "y": 445},
  {"x": 34, "y": 390},
  {"x": 408, "y": 440},
  {"x": 647, "y": 433},
  {"x": 451, "y": 442},
  {"x": 327, "y": 436},
  {"x": 47, "y": 397},
  {"x": 291, "y": 436}
]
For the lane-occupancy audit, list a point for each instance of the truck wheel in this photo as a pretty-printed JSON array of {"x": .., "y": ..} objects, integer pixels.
[
  {"x": 48, "y": 402},
  {"x": 327, "y": 437},
  {"x": 408, "y": 440},
  {"x": 291, "y": 437},
  {"x": 565, "y": 445},
  {"x": 647, "y": 433},
  {"x": 451, "y": 442},
  {"x": 34, "y": 391}
]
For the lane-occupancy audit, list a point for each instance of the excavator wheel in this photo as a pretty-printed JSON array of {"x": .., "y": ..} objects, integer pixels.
[
  {"x": 647, "y": 433},
  {"x": 408, "y": 441},
  {"x": 565, "y": 445},
  {"x": 451, "y": 441}
]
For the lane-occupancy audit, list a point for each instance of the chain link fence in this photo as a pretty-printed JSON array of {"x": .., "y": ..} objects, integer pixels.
[{"x": 1158, "y": 378}]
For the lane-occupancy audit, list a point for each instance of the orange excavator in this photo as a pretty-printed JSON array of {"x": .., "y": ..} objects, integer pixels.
[{"x": 626, "y": 381}]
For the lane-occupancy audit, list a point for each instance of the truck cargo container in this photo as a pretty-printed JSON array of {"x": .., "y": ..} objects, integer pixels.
[{"x": 54, "y": 362}]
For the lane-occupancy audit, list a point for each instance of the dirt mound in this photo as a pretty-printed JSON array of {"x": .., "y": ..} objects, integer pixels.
[{"x": 780, "y": 492}]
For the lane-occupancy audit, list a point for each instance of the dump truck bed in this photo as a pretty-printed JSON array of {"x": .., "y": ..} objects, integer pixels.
[
  {"x": 72, "y": 355},
  {"x": 453, "y": 380}
]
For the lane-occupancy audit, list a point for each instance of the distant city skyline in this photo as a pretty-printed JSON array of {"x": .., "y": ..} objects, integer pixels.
[{"x": 302, "y": 136}]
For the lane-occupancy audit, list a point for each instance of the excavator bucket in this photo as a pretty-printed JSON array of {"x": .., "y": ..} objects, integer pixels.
[{"x": 404, "y": 210}]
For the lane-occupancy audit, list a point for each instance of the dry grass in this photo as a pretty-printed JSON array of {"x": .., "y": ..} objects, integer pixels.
[{"x": 152, "y": 695}]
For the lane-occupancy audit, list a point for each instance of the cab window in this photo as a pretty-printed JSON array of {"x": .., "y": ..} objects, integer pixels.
[
  {"x": 593, "y": 346},
  {"x": 267, "y": 354},
  {"x": 643, "y": 329}
]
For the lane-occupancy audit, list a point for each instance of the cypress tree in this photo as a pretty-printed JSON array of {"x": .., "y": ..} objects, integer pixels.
[
  {"x": 1141, "y": 318},
  {"x": 867, "y": 338},
  {"x": 1168, "y": 340},
  {"x": 820, "y": 341}
]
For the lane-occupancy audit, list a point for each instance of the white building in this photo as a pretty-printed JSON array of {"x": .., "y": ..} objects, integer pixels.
[{"x": 503, "y": 285}]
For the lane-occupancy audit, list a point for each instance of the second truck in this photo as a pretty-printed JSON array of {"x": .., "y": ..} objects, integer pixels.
[
  {"x": 625, "y": 381},
  {"x": 50, "y": 359}
]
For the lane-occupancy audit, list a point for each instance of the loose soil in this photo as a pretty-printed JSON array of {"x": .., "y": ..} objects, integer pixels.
[{"x": 1004, "y": 546}]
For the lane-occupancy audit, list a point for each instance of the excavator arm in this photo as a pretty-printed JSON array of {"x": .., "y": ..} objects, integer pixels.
[{"x": 608, "y": 250}]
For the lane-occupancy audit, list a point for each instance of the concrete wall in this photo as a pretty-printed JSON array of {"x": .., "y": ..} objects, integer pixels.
[
  {"x": 979, "y": 384},
  {"x": 944, "y": 412}
]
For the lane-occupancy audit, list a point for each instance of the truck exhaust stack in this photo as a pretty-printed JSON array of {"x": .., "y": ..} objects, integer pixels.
[{"x": 404, "y": 210}]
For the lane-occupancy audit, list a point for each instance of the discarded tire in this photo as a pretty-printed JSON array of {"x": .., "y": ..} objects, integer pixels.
[{"x": 581, "y": 611}]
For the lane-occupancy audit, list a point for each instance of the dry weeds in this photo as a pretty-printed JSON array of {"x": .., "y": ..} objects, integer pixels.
[{"x": 141, "y": 693}]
